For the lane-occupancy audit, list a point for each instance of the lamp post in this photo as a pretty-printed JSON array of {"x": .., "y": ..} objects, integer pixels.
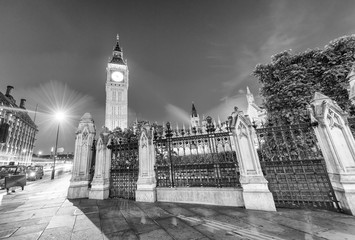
[{"x": 59, "y": 116}]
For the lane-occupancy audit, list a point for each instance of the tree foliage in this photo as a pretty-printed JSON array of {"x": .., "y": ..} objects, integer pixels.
[{"x": 290, "y": 80}]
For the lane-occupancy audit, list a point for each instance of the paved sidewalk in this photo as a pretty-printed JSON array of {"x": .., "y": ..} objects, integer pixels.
[{"x": 42, "y": 211}]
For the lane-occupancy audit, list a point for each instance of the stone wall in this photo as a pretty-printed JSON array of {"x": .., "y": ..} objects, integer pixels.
[{"x": 211, "y": 196}]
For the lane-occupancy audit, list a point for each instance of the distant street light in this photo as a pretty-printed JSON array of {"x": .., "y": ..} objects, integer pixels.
[{"x": 59, "y": 117}]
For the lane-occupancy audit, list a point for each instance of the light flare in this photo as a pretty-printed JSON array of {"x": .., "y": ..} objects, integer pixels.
[{"x": 57, "y": 102}]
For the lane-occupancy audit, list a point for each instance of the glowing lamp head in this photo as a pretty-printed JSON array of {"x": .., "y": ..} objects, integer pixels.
[{"x": 60, "y": 116}]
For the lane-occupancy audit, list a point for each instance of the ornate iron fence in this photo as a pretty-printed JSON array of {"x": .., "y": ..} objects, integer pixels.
[
  {"x": 124, "y": 165},
  {"x": 190, "y": 158},
  {"x": 295, "y": 168}
]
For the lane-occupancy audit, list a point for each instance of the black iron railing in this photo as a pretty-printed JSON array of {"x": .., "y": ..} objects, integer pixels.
[
  {"x": 196, "y": 157},
  {"x": 295, "y": 168},
  {"x": 124, "y": 166}
]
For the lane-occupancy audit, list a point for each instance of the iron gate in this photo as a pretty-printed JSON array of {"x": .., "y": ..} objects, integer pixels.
[
  {"x": 195, "y": 157},
  {"x": 124, "y": 166},
  {"x": 295, "y": 168}
]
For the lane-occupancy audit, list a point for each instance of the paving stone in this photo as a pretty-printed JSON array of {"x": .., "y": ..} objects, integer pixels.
[
  {"x": 331, "y": 234},
  {"x": 50, "y": 205},
  {"x": 29, "y": 236},
  {"x": 6, "y": 216},
  {"x": 139, "y": 221},
  {"x": 30, "y": 229},
  {"x": 67, "y": 210},
  {"x": 87, "y": 224},
  {"x": 87, "y": 234},
  {"x": 4, "y": 233},
  {"x": 215, "y": 233},
  {"x": 202, "y": 211},
  {"x": 178, "y": 229},
  {"x": 123, "y": 235},
  {"x": 15, "y": 219},
  {"x": 24, "y": 223},
  {"x": 87, "y": 202},
  {"x": 89, "y": 210},
  {"x": 110, "y": 212},
  {"x": 112, "y": 225},
  {"x": 107, "y": 202},
  {"x": 158, "y": 234},
  {"x": 90, "y": 216},
  {"x": 59, "y": 233},
  {"x": 45, "y": 212},
  {"x": 153, "y": 211},
  {"x": 62, "y": 221},
  {"x": 175, "y": 209}
]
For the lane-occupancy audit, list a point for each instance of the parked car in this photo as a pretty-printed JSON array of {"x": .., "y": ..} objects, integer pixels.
[
  {"x": 9, "y": 171},
  {"x": 34, "y": 172}
]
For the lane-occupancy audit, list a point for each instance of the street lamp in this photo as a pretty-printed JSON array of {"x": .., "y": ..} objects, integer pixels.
[{"x": 59, "y": 117}]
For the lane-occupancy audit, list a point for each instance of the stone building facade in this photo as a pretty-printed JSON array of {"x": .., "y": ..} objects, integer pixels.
[
  {"x": 17, "y": 131},
  {"x": 256, "y": 114}
]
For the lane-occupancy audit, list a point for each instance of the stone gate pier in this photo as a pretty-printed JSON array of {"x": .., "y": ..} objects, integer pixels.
[
  {"x": 338, "y": 147},
  {"x": 85, "y": 135}
]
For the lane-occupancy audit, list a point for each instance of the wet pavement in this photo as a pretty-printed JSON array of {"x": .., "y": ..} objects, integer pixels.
[{"x": 42, "y": 211}]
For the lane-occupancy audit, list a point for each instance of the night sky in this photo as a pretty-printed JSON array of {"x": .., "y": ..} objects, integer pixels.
[{"x": 55, "y": 54}]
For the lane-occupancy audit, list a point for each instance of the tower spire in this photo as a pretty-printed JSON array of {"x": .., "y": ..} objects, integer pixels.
[
  {"x": 117, "y": 54},
  {"x": 193, "y": 111},
  {"x": 195, "y": 119},
  {"x": 250, "y": 96}
]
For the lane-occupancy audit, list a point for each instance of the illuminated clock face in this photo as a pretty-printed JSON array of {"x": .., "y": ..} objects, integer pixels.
[{"x": 117, "y": 76}]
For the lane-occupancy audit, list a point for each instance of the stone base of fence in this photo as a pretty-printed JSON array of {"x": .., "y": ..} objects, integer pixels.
[
  {"x": 146, "y": 195},
  {"x": 78, "y": 189},
  {"x": 206, "y": 195},
  {"x": 99, "y": 191},
  {"x": 259, "y": 200},
  {"x": 256, "y": 194},
  {"x": 344, "y": 188}
]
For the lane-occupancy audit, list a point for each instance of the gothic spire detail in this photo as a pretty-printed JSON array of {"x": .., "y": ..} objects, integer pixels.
[
  {"x": 250, "y": 96},
  {"x": 193, "y": 111},
  {"x": 117, "y": 54}
]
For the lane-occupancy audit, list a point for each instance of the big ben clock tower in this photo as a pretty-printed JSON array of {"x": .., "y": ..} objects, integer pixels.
[{"x": 116, "y": 90}]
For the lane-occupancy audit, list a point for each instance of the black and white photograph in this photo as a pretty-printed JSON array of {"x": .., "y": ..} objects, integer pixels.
[{"x": 177, "y": 119}]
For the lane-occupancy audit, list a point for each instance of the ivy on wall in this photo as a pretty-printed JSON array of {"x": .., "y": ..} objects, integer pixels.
[{"x": 290, "y": 80}]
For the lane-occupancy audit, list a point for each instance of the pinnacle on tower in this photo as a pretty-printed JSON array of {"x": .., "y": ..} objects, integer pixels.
[
  {"x": 193, "y": 111},
  {"x": 117, "y": 55},
  {"x": 117, "y": 47},
  {"x": 250, "y": 96}
]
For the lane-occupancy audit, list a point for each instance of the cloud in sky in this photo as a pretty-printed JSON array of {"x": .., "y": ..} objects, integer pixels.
[
  {"x": 296, "y": 25},
  {"x": 177, "y": 114},
  {"x": 226, "y": 107}
]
